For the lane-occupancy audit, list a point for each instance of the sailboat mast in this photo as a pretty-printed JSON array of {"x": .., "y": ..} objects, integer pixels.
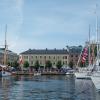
[
  {"x": 97, "y": 35},
  {"x": 5, "y": 49},
  {"x": 89, "y": 45}
]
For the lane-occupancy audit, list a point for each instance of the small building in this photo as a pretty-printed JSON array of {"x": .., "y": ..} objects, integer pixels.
[
  {"x": 43, "y": 55},
  {"x": 11, "y": 56}
]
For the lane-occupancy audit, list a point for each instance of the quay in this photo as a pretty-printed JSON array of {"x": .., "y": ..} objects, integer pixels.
[
  {"x": 22, "y": 73},
  {"x": 53, "y": 73},
  {"x": 38, "y": 73}
]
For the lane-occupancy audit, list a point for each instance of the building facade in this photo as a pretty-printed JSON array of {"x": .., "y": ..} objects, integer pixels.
[
  {"x": 74, "y": 54},
  {"x": 11, "y": 56},
  {"x": 42, "y": 56}
]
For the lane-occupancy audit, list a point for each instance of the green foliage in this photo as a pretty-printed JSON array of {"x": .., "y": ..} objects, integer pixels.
[
  {"x": 13, "y": 64},
  {"x": 95, "y": 51},
  {"x": 87, "y": 62},
  {"x": 48, "y": 64},
  {"x": 36, "y": 65},
  {"x": 81, "y": 64},
  {"x": 59, "y": 64},
  {"x": 71, "y": 64},
  {"x": 26, "y": 64},
  {"x": 9, "y": 64}
]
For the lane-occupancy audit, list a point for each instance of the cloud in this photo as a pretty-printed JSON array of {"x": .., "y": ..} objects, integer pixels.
[
  {"x": 35, "y": 23},
  {"x": 11, "y": 14},
  {"x": 67, "y": 19}
]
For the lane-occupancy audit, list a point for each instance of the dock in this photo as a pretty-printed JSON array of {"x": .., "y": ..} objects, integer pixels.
[{"x": 38, "y": 73}]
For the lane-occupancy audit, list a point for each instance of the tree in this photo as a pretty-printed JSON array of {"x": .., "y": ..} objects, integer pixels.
[
  {"x": 59, "y": 64},
  {"x": 48, "y": 64},
  {"x": 71, "y": 64},
  {"x": 15, "y": 64},
  {"x": 36, "y": 65},
  {"x": 26, "y": 64}
]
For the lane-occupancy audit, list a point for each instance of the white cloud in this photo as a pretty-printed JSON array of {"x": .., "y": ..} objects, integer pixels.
[
  {"x": 68, "y": 20},
  {"x": 12, "y": 15},
  {"x": 14, "y": 31}
]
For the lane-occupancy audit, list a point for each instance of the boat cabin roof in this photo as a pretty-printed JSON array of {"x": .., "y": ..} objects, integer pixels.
[{"x": 3, "y": 66}]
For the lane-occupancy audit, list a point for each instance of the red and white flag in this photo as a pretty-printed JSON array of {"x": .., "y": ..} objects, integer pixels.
[
  {"x": 20, "y": 59},
  {"x": 84, "y": 55}
]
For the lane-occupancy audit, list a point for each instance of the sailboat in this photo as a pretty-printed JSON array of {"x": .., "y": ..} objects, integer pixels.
[
  {"x": 96, "y": 79},
  {"x": 96, "y": 73},
  {"x": 84, "y": 73},
  {"x": 4, "y": 71}
]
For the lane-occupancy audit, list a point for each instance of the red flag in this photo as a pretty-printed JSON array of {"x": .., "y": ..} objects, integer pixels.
[
  {"x": 84, "y": 55},
  {"x": 20, "y": 59}
]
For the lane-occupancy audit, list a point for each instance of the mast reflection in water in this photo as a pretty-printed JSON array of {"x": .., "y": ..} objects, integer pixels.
[{"x": 46, "y": 88}]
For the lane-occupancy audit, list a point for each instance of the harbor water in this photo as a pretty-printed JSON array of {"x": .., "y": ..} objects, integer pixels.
[{"x": 47, "y": 88}]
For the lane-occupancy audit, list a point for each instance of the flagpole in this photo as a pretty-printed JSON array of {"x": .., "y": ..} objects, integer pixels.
[
  {"x": 5, "y": 50},
  {"x": 79, "y": 58},
  {"x": 89, "y": 45}
]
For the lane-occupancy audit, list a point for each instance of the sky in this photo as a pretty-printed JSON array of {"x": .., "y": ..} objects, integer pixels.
[{"x": 40, "y": 24}]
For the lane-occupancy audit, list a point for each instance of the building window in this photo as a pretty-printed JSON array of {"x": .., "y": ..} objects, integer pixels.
[
  {"x": 71, "y": 55},
  {"x": 54, "y": 57},
  {"x": 65, "y": 57},
  {"x": 25, "y": 57},
  {"x": 36, "y": 57},
  {"x": 49, "y": 57},
  {"x": 31, "y": 57},
  {"x": 40, "y": 56},
  {"x": 76, "y": 55}
]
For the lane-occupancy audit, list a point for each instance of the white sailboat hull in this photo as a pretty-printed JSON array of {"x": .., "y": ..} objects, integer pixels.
[
  {"x": 96, "y": 80},
  {"x": 4, "y": 73},
  {"x": 82, "y": 75}
]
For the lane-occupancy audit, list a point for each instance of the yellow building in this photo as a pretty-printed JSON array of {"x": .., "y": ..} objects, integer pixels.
[{"x": 53, "y": 55}]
